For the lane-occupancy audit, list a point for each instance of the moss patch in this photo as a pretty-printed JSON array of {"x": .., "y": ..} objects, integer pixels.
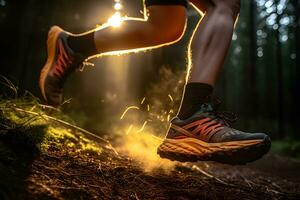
[{"x": 26, "y": 118}]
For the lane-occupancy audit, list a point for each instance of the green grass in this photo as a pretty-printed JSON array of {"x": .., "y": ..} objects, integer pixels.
[
  {"x": 287, "y": 147},
  {"x": 28, "y": 125},
  {"x": 24, "y": 124}
]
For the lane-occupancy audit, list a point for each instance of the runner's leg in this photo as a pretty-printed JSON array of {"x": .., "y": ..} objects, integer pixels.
[
  {"x": 211, "y": 39},
  {"x": 163, "y": 25},
  {"x": 207, "y": 50}
]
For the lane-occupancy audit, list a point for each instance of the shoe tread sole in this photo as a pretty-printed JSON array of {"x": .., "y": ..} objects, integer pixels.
[{"x": 235, "y": 152}]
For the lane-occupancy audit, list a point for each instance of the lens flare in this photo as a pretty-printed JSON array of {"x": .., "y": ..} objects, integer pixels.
[
  {"x": 118, "y": 6},
  {"x": 115, "y": 20}
]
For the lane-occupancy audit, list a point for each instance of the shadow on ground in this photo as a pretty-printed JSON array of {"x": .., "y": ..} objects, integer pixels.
[{"x": 18, "y": 150}]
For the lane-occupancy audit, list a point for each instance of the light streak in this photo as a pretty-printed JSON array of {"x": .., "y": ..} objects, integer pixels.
[
  {"x": 129, "y": 129},
  {"x": 127, "y": 109},
  {"x": 157, "y": 138},
  {"x": 143, "y": 127},
  {"x": 171, "y": 98},
  {"x": 148, "y": 107},
  {"x": 143, "y": 100}
]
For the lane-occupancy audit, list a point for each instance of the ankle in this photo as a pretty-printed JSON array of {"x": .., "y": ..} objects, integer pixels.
[
  {"x": 84, "y": 45},
  {"x": 195, "y": 94}
]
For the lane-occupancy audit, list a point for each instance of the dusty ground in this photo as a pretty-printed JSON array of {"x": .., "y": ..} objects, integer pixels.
[
  {"x": 69, "y": 166},
  {"x": 63, "y": 173}
]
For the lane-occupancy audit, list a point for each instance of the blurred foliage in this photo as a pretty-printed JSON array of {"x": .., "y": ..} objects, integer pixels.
[{"x": 287, "y": 147}]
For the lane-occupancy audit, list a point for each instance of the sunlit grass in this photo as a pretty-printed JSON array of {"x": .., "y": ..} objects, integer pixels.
[{"x": 42, "y": 131}]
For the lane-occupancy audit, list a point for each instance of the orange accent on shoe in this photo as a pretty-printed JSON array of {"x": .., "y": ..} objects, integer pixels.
[
  {"x": 51, "y": 49},
  {"x": 62, "y": 61},
  {"x": 195, "y": 123},
  {"x": 180, "y": 137},
  {"x": 205, "y": 128}
]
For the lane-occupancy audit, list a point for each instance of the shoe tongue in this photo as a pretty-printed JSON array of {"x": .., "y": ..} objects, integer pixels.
[
  {"x": 206, "y": 107},
  {"x": 64, "y": 38},
  {"x": 70, "y": 51}
]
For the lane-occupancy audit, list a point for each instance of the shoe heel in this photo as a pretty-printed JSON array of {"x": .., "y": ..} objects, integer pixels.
[{"x": 53, "y": 34}]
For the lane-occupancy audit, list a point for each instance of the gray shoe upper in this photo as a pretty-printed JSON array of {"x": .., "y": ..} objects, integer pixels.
[{"x": 226, "y": 134}]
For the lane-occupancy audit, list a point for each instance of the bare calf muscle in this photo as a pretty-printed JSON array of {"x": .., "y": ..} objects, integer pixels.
[{"x": 164, "y": 25}]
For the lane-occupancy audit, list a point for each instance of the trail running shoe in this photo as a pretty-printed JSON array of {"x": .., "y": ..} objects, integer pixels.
[
  {"x": 61, "y": 62},
  {"x": 206, "y": 136}
]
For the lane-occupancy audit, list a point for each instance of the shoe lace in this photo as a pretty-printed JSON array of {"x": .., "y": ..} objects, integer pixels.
[
  {"x": 63, "y": 64},
  {"x": 85, "y": 64},
  {"x": 66, "y": 70},
  {"x": 69, "y": 70},
  {"x": 224, "y": 117},
  {"x": 69, "y": 63}
]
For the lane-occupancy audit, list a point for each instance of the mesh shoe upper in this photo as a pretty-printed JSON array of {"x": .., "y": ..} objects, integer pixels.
[
  {"x": 210, "y": 126},
  {"x": 65, "y": 62}
]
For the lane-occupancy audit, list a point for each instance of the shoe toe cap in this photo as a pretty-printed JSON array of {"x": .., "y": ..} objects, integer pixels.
[
  {"x": 54, "y": 99},
  {"x": 251, "y": 136},
  {"x": 53, "y": 92},
  {"x": 235, "y": 135},
  {"x": 256, "y": 136}
]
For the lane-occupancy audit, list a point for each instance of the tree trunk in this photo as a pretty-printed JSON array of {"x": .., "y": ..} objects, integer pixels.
[
  {"x": 281, "y": 133},
  {"x": 26, "y": 44},
  {"x": 252, "y": 101},
  {"x": 296, "y": 118}
]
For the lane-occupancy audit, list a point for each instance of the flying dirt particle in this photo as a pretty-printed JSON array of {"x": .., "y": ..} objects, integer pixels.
[
  {"x": 143, "y": 100},
  {"x": 127, "y": 109},
  {"x": 142, "y": 128},
  {"x": 171, "y": 98}
]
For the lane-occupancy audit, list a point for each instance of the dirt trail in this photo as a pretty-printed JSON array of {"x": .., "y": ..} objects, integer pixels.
[
  {"x": 64, "y": 174},
  {"x": 47, "y": 160}
]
